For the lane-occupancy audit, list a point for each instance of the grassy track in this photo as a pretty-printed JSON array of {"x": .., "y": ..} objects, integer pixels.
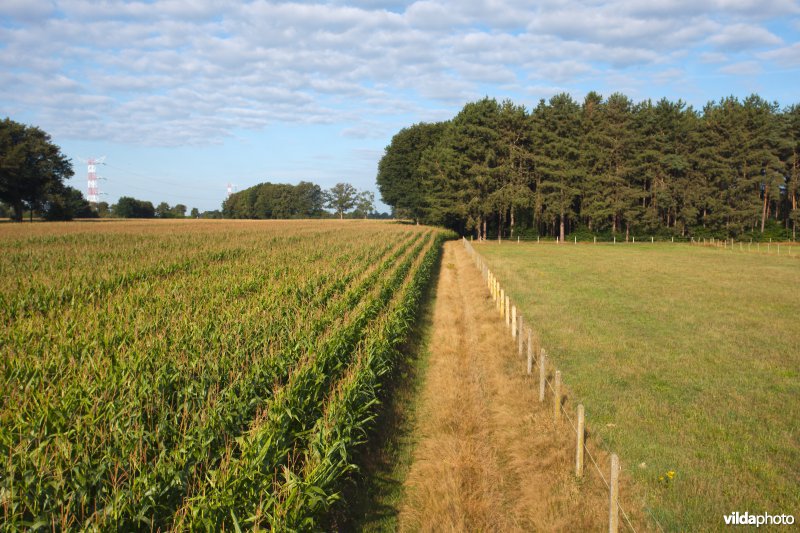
[{"x": 687, "y": 359}]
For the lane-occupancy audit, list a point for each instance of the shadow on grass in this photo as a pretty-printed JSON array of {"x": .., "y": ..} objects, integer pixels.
[{"x": 371, "y": 502}]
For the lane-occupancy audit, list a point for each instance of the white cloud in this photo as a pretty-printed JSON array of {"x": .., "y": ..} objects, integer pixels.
[
  {"x": 196, "y": 71},
  {"x": 366, "y": 130},
  {"x": 433, "y": 16},
  {"x": 26, "y": 10},
  {"x": 713, "y": 57},
  {"x": 742, "y": 68},
  {"x": 738, "y": 37},
  {"x": 759, "y": 8},
  {"x": 563, "y": 71},
  {"x": 787, "y": 56},
  {"x": 748, "y": 8},
  {"x": 670, "y": 75}
]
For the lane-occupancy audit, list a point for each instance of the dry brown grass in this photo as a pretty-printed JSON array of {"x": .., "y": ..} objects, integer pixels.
[{"x": 489, "y": 457}]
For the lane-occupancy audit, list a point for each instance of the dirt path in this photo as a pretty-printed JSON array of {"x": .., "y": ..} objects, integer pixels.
[{"x": 488, "y": 456}]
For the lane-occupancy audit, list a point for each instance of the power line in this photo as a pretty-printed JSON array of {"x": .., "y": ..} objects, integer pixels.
[
  {"x": 158, "y": 180},
  {"x": 151, "y": 191}
]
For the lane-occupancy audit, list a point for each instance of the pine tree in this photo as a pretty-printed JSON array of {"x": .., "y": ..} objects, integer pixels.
[{"x": 557, "y": 137}]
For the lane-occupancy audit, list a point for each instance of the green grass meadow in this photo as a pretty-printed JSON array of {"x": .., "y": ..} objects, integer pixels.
[{"x": 686, "y": 358}]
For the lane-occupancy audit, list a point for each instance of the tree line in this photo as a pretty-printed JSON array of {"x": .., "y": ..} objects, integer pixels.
[
  {"x": 604, "y": 166},
  {"x": 304, "y": 200},
  {"x": 129, "y": 207},
  {"x": 33, "y": 171}
]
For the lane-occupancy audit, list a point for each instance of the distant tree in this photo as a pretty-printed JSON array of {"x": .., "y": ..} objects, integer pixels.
[
  {"x": 163, "y": 210},
  {"x": 178, "y": 210},
  {"x": 212, "y": 214},
  {"x": 341, "y": 198},
  {"x": 556, "y": 144},
  {"x": 195, "y": 213},
  {"x": 309, "y": 199},
  {"x": 461, "y": 174},
  {"x": 31, "y": 166},
  {"x": 128, "y": 207},
  {"x": 365, "y": 203},
  {"x": 792, "y": 162},
  {"x": 4, "y": 211},
  {"x": 514, "y": 161},
  {"x": 276, "y": 200},
  {"x": 66, "y": 204},
  {"x": 103, "y": 210},
  {"x": 400, "y": 179}
]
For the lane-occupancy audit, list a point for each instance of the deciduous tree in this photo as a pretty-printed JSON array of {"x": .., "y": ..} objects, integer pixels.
[
  {"x": 341, "y": 198},
  {"x": 31, "y": 167}
]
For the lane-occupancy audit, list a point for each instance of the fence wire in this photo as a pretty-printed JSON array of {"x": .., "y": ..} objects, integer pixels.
[
  {"x": 483, "y": 267},
  {"x": 791, "y": 248}
]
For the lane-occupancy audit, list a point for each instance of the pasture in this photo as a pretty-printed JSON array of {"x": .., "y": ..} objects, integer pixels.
[{"x": 687, "y": 359}]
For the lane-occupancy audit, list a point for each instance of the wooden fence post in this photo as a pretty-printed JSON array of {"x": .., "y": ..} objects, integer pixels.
[
  {"x": 581, "y": 442},
  {"x": 501, "y": 299},
  {"x": 557, "y": 396},
  {"x": 520, "y": 332},
  {"x": 542, "y": 374},
  {"x": 508, "y": 310},
  {"x": 530, "y": 353},
  {"x": 514, "y": 322},
  {"x": 530, "y": 340},
  {"x": 613, "y": 503}
]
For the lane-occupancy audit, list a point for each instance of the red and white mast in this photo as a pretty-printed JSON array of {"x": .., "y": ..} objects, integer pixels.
[{"x": 94, "y": 191}]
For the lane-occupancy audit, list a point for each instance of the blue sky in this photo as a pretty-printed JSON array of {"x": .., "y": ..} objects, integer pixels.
[{"x": 184, "y": 96}]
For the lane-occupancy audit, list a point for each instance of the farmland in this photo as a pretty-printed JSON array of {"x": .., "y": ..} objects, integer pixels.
[
  {"x": 195, "y": 374},
  {"x": 686, "y": 359}
]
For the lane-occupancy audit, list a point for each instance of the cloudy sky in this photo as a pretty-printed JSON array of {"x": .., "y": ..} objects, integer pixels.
[{"x": 184, "y": 96}]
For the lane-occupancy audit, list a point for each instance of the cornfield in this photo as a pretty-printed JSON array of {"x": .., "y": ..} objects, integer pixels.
[{"x": 195, "y": 374}]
